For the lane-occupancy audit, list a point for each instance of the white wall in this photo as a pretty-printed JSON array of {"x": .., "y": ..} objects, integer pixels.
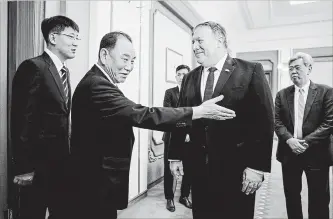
[
  {"x": 169, "y": 37},
  {"x": 80, "y": 64},
  {"x": 131, "y": 88}
]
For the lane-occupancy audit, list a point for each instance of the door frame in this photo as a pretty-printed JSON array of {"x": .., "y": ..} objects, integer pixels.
[{"x": 3, "y": 109}]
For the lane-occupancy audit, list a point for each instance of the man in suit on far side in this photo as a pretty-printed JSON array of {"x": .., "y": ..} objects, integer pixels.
[
  {"x": 41, "y": 103},
  {"x": 170, "y": 100},
  {"x": 303, "y": 124}
]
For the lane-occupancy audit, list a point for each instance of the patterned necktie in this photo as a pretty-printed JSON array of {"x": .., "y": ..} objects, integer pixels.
[
  {"x": 209, "y": 84},
  {"x": 300, "y": 114},
  {"x": 64, "y": 79}
]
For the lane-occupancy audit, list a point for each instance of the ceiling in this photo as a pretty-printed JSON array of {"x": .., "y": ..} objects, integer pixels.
[
  {"x": 260, "y": 14},
  {"x": 264, "y": 14}
]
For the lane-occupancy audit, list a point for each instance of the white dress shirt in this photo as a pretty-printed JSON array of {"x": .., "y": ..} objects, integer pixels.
[
  {"x": 306, "y": 91},
  {"x": 58, "y": 64},
  {"x": 217, "y": 73}
]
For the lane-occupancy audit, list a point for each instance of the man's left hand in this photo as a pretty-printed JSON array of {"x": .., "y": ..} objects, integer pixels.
[{"x": 251, "y": 181}]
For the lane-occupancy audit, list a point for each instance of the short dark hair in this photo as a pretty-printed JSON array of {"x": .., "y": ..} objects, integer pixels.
[
  {"x": 180, "y": 67},
  {"x": 217, "y": 29},
  {"x": 109, "y": 40},
  {"x": 57, "y": 24}
]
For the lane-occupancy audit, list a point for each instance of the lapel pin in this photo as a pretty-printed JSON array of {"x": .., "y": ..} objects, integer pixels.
[{"x": 227, "y": 70}]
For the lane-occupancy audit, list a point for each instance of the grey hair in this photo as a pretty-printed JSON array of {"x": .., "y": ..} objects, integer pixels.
[
  {"x": 217, "y": 29},
  {"x": 307, "y": 59}
]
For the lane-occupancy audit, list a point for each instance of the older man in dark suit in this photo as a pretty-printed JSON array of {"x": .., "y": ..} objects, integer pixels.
[
  {"x": 303, "y": 123},
  {"x": 102, "y": 134},
  {"x": 170, "y": 100},
  {"x": 228, "y": 157},
  {"x": 41, "y": 103}
]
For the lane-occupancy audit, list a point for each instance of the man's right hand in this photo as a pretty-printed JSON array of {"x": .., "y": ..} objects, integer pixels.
[
  {"x": 176, "y": 168},
  {"x": 296, "y": 145},
  {"x": 210, "y": 110},
  {"x": 24, "y": 179}
]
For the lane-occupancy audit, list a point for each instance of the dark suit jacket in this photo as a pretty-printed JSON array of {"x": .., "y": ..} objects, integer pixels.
[
  {"x": 171, "y": 97},
  {"x": 246, "y": 140},
  {"x": 39, "y": 116},
  {"x": 317, "y": 123},
  {"x": 102, "y": 135}
]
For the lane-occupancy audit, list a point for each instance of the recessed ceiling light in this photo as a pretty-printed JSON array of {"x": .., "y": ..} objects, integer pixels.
[{"x": 300, "y": 2}]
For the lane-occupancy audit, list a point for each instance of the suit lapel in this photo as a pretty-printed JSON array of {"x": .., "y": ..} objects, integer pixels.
[
  {"x": 228, "y": 67},
  {"x": 290, "y": 100},
  {"x": 53, "y": 71},
  {"x": 197, "y": 79},
  {"x": 177, "y": 92},
  {"x": 309, "y": 100}
]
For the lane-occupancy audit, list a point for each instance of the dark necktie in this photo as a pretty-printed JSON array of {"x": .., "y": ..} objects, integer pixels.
[
  {"x": 209, "y": 89},
  {"x": 64, "y": 79}
]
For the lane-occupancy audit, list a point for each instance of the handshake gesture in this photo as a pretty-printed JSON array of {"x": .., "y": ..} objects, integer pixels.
[{"x": 210, "y": 110}]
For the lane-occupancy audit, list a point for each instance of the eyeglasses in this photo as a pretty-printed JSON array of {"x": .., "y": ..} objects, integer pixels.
[{"x": 70, "y": 36}]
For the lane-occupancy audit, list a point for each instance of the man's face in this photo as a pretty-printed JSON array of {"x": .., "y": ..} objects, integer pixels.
[
  {"x": 180, "y": 75},
  {"x": 205, "y": 45},
  {"x": 299, "y": 73},
  {"x": 65, "y": 42},
  {"x": 122, "y": 58}
]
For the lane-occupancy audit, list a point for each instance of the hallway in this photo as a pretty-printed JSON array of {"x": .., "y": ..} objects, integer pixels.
[{"x": 270, "y": 203}]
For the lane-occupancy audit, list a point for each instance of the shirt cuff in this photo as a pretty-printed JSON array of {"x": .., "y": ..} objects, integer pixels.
[
  {"x": 174, "y": 160},
  {"x": 256, "y": 171}
]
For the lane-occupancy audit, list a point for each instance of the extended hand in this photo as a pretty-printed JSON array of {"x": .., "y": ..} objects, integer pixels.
[
  {"x": 251, "y": 181},
  {"x": 296, "y": 145},
  {"x": 210, "y": 110},
  {"x": 176, "y": 168},
  {"x": 24, "y": 179}
]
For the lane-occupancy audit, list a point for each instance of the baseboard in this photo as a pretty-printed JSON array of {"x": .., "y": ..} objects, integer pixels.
[
  {"x": 151, "y": 185},
  {"x": 138, "y": 198}
]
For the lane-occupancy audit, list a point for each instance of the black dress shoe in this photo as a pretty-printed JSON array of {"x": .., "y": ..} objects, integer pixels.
[
  {"x": 185, "y": 201},
  {"x": 170, "y": 205}
]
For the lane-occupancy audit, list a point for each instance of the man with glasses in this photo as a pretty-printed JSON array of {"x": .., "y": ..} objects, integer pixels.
[
  {"x": 41, "y": 103},
  {"x": 303, "y": 124}
]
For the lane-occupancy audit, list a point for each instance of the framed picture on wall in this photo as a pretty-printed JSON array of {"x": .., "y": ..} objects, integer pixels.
[{"x": 173, "y": 59}]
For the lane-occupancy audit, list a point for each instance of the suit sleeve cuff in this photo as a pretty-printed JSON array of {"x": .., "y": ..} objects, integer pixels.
[{"x": 256, "y": 171}]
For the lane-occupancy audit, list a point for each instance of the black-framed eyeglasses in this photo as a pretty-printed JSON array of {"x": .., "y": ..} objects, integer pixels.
[{"x": 70, "y": 36}]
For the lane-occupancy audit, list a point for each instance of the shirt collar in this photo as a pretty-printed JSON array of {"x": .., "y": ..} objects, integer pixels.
[
  {"x": 104, "y": 72},
  {"x": 218, "y": 65},
  {"x": 305, "y": 87},
  {"x": 55, "y": 59}
]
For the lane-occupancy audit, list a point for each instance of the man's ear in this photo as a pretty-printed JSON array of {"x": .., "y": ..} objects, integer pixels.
[
  {"x": 52, "y": 39},
  {"x": 102, "y": 55},
  {"x": 220, "y": 41},
  {"x": 310, "y": 68}
]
